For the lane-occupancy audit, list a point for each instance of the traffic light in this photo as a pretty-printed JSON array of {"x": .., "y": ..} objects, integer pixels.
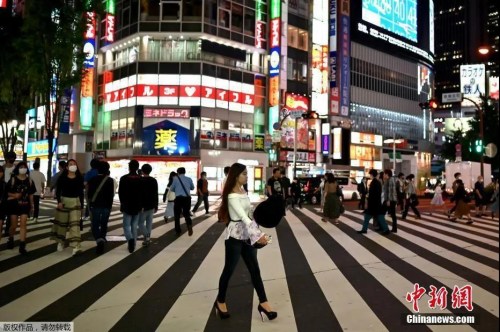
[
  {"x": 478, "y": 146},
  {"x": 310, "y": 115},
  {"x": 433, "y": 104},
  {"x": 430, "y": 104}
]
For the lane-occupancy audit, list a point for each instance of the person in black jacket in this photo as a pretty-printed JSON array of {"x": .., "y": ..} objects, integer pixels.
[
  {"x": 130, "y": 203},
  {"x": 374, "y": 209},
  {"x": 149, "y": 203},
  {"x": 100, "y": 198}
]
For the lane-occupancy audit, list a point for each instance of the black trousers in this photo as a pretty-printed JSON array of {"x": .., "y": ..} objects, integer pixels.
[
  {"x": 36, "y": 206},
  {"x": 182, "y": 204},
  {"x": 235, "y": 249},
  {"x": 409, "y": 205},
  {"x": 297, "y": 200},
  {"x": 362, "y": 202},
  {"x": 391, "y": 210},
  {"x": 201, "y": 198}
]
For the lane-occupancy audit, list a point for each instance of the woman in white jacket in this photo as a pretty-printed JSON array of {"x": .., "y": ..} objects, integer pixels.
[{"x": 242, "y": 234}]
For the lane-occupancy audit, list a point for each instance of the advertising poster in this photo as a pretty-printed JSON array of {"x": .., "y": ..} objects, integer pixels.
[{"x": 163, "y": 136}]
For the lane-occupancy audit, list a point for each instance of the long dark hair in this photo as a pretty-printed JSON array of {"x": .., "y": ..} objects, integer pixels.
[
  {"x": 171, "y": 178},
  {"x": 232, "y": 178},
  {"x": 330, "y": 178}
]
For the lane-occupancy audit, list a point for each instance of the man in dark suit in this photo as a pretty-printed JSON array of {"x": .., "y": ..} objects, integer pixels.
[
  {"x": 362, "y": 190},
  {"x": 374, "y": 209}
]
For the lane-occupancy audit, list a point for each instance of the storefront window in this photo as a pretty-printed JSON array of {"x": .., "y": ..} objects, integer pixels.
[
  {"x": 211, "y": 11},
  {"x": 303, "y": 40},
  {"x": 237, "y": 18},
  {"x": 191, "y": 10},
  {"x": 171, "y": 10},
  {"x": 249, "y": 22},
  {"x": 293, "y": 36}
]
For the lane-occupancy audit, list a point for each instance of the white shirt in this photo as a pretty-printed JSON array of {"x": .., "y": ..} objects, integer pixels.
[
  {"x": 38, "y": 179},
  {"x": 241, "y": 226},
  {"x": 7, "y": 173}
]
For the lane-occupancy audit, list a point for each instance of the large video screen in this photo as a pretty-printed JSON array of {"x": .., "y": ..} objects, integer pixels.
[{"x": 396, "y": 16}]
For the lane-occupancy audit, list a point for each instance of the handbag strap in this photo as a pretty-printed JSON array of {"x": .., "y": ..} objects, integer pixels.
[
  {"x": 98, "y": 189},
  {"x": 182, "y": 184}
]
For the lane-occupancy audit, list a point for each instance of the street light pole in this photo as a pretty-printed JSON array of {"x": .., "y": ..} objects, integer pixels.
[
  {"x": 295, "y": 149},
  {"x": 481, "y": 132}
]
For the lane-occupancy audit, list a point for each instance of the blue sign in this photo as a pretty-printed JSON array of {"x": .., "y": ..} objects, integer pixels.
[
  {"x": 165, "y": 138},
  {"x": 396, "y": 16},
  {"x": 40, "y": 148},
  {"x": 89, "y": 51},
  {"x": 345, "y": 59},
  {"x": 274, "y": 61},
  {"x": 65, "y": 108}
]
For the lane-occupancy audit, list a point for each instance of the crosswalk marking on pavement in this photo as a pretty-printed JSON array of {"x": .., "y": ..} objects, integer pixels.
[{"x": 318, "y": 276}]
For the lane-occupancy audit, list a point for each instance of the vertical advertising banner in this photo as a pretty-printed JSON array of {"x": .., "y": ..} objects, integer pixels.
[
  {"x": 472, "y": 82},
  {"x": 345, "y": 54},
  {"x": 260, "y": 25},
  {"x": 320, "y": 52},
  {"x": 87, "y": 83},
  {"x": 334, "y": 90},
  {"x": 109, "y": 22},
  {"x": 274, "y": 62}
]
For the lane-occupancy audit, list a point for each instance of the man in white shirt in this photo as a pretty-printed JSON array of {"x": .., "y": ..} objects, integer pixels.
[
  {"x": 39, "y": 180},
  {"x": 8, "y": 167},
  {"x": 10, "y": 159}
]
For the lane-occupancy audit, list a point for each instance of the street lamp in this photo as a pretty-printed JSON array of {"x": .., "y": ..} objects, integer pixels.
[{"x": 394, "y": 141}]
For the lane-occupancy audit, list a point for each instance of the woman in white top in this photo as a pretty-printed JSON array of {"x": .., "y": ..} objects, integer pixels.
[
  {"x": 241, "y": 234},
  {"x": 437, "y": 200}
]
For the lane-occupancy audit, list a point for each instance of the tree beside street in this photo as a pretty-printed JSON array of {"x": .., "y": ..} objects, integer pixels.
[
  {"x": 467, "y": 139},
  {"x": 51, "y": 41}
]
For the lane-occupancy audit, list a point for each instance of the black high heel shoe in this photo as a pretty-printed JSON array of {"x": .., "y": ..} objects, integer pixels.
[
  {"x": 222, "y": 314},
  {"x": 269, "y": 314}
]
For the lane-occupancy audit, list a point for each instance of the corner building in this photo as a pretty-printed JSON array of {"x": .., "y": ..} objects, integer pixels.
[
  {"x": 391, "y": 57},
  {"x": 183, "y": 83}
]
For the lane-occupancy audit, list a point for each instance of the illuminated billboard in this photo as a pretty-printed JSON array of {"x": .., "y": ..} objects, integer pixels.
[
  {"x": 397, "y": 16},
  {"x": 402, "y": 27},
  {"x": 472, "y": 82}
]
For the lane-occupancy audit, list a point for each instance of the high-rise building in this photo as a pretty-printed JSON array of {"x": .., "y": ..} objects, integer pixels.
[
  {"x": 462, "y": 27},
  {"x": 183, "y": 83}
]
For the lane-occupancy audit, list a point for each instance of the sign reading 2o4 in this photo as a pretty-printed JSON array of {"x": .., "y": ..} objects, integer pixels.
[
  {"x": 89, "y": 51},
  {"x": 274, "y": 59}
]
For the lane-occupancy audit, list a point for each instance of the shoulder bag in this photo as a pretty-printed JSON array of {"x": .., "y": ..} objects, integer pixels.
[
  {"x": 182, "y": 184},
  {"x": 98, "y": 189}
]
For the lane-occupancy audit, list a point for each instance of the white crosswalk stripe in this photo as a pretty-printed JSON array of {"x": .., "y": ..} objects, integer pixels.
[{"x": 356, "y": 282}]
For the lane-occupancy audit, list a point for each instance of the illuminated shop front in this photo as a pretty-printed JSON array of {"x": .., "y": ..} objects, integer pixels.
[{"x": 366, "y": 150}]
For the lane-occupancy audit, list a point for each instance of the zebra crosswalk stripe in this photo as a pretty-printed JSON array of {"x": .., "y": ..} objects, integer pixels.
[{"x": 318, "y": 276}]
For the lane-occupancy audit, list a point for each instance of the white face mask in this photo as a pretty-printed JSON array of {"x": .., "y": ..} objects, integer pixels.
[
  {"x": 23, "y": 170},
  {"x": 72, "y": 168}
]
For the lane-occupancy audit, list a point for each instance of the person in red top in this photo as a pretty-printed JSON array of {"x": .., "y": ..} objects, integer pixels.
[{"x": 202, "y": 191}]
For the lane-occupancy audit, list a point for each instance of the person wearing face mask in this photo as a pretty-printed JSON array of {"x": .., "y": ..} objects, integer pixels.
[
  {"x": 69, "y": 196},
  {"x": 479, "y": 195},
  {"x": 20, "y": 190},
  {"x": 10, "y": 159}
]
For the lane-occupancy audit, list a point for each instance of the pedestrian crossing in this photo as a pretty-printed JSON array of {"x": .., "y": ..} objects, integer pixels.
[{"x": 318, "y": 276}]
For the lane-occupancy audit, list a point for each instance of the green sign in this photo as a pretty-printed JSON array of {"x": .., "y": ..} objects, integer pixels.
[
  {"x": 275, "y": 9},
  {"x": 258, "y": 10},
  {"x": 110, "y": 6}
]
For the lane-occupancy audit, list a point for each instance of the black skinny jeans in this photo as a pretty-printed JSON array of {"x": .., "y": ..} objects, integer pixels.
[
  {"x": 409, "y": 205},
  {"x": 235, "y": 249}
]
